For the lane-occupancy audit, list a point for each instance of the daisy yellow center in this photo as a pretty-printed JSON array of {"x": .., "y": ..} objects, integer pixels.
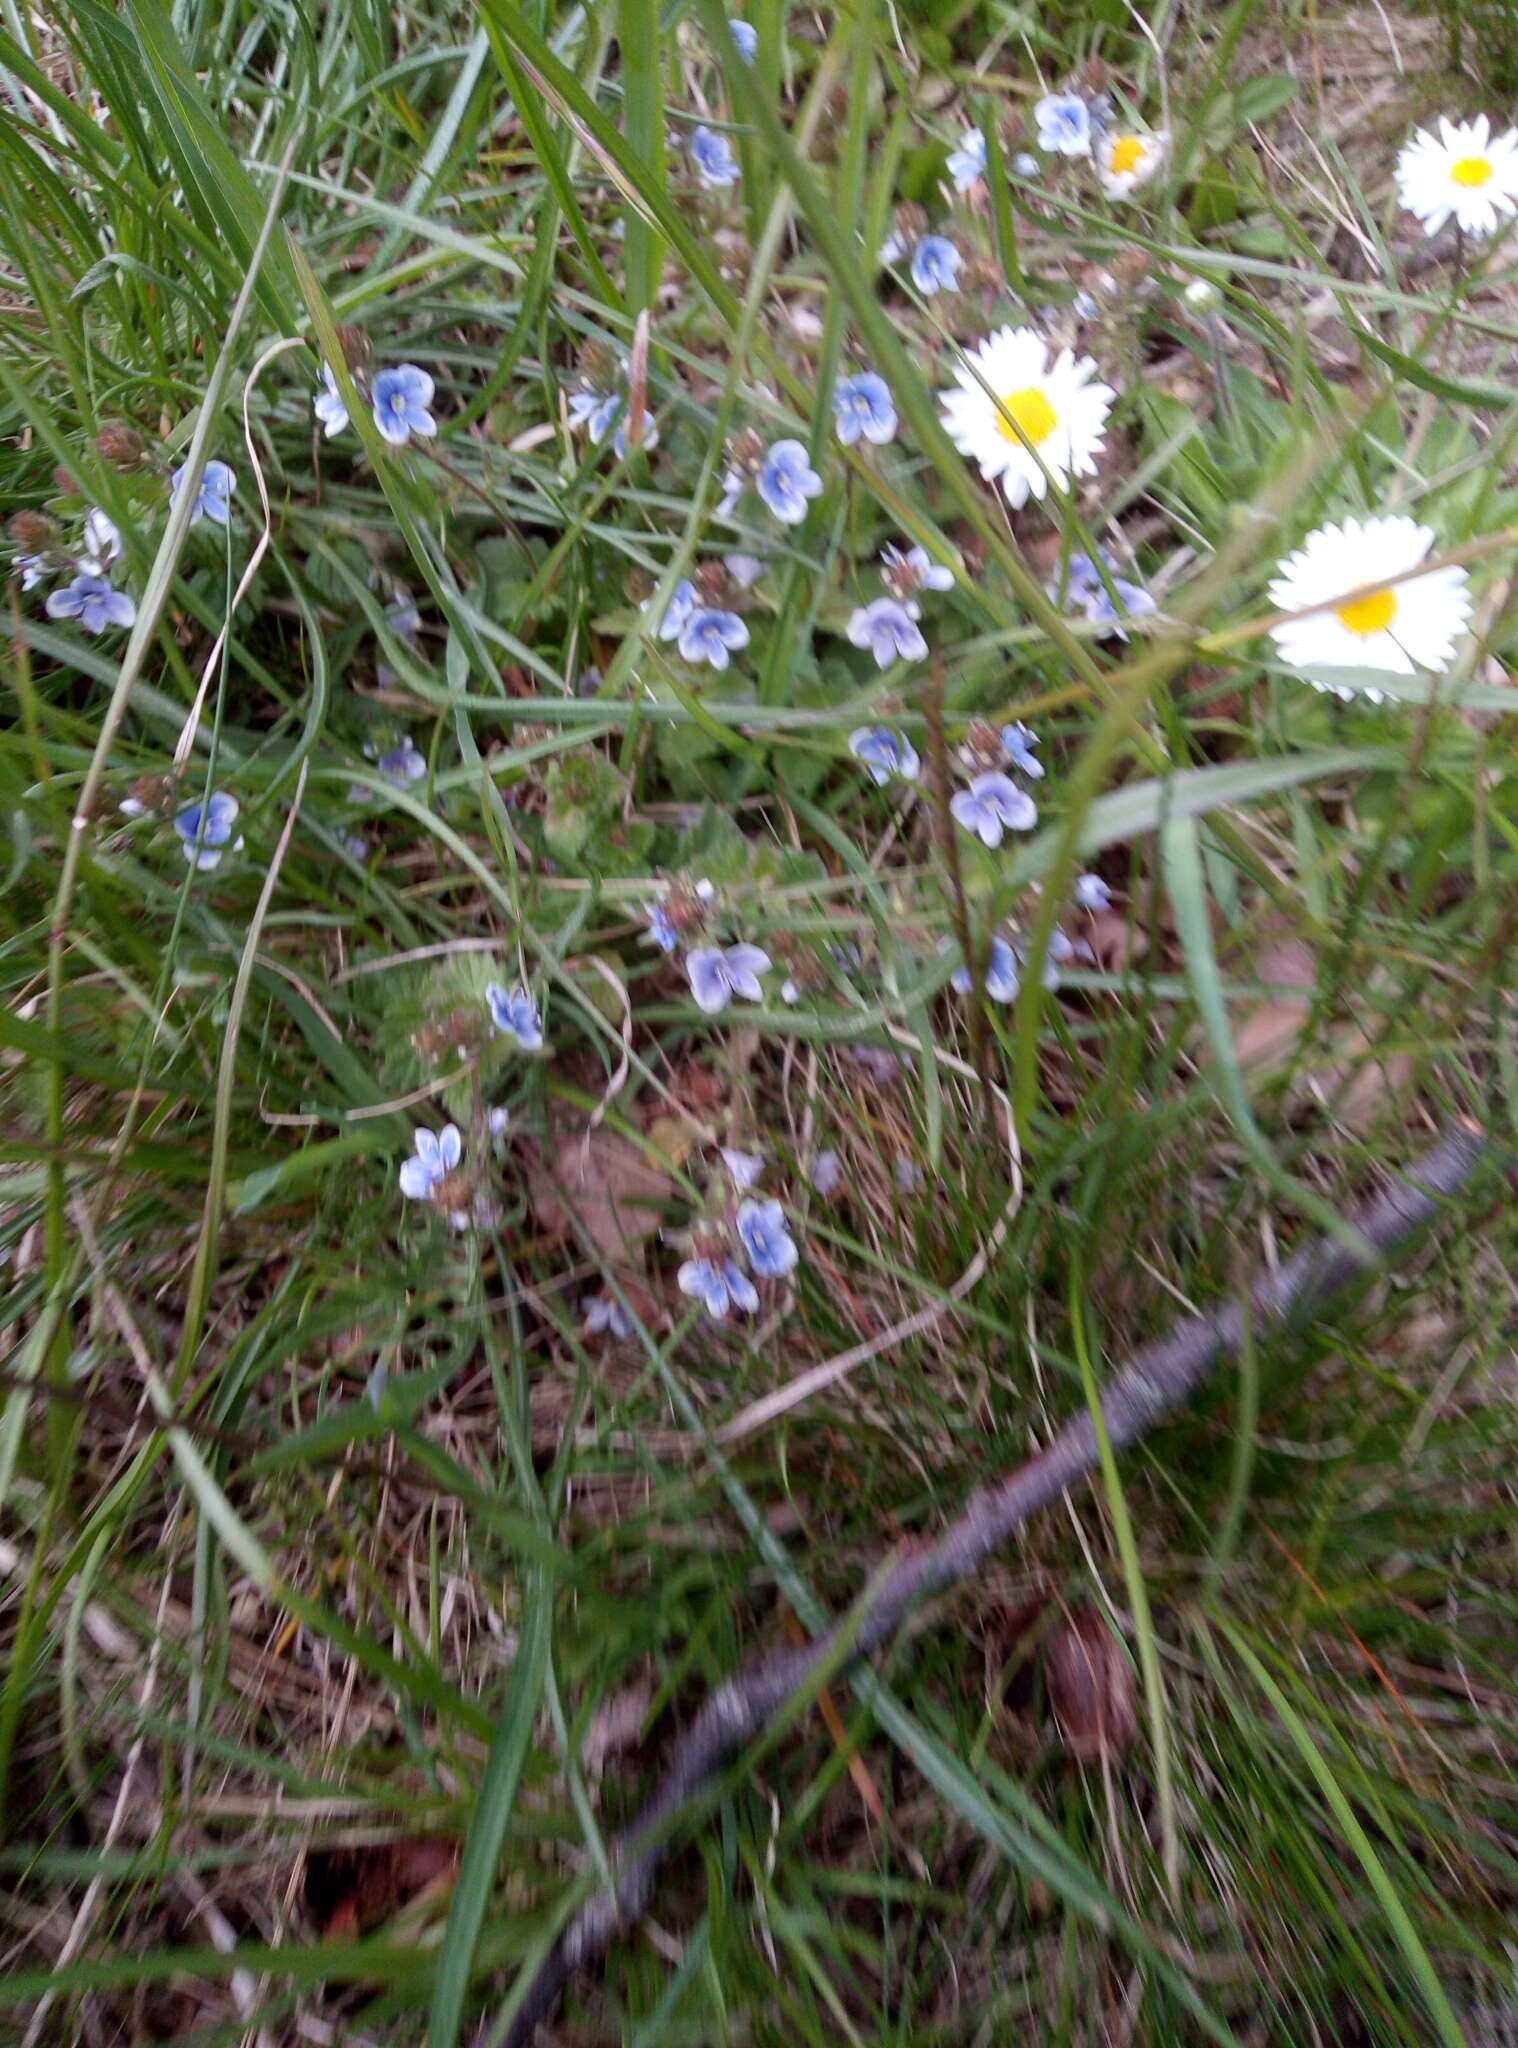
[
  {"x": 1367, "y": 615},
  {"x": 1035, "y": 417},
  {"x": 1471, "y": 170},
  {"x": 1128, "y": 154}
]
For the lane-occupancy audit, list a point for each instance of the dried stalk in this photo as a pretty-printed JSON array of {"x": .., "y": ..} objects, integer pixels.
[{"x": 1157, "y": 1380}]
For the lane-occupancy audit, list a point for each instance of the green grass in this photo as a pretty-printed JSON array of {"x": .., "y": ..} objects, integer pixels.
[{"x": 325, "y": 1528}]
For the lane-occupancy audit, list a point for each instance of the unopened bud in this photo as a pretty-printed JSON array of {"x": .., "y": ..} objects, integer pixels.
[
  {"x": 65, "y": 482},
  {"x": 711, "y": 582},
  {"x": 32, "y": 532},
  {"x": 120, "y": 444},
  {"x": 356, "y": 347},
  {"x": 1202, "y": 296}
]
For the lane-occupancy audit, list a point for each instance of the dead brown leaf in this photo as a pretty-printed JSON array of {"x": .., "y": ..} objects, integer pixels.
[{"x": 617, "y": 1192}]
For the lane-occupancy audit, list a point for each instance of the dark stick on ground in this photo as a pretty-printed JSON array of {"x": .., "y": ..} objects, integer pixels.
[{"x": 1156, "y": 1381}]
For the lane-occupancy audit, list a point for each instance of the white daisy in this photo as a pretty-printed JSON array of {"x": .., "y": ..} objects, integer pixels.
[
  {"x": 1125, "y": 159},
  {"x": 1026, "y": 420},
  {"x": 1464, "y": 173},
  {"x": 1396, "y": 627}
]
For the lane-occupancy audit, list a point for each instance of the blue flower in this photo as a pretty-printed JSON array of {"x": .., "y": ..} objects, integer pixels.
[
  {"x": 745, "y": 39},
  {"x": 403, "y": 618},
  {"x": 91, "y": 600},
  {"x": 1092, "y": 893},
  {"x": 682, "y": 602},
  {"x": 994, "y": 804},
  {"x": 1019, "y": 740},
  {"x": 708, "y": 633},
  {"x": 786, "y": 480},
  {"x": 745, "y": 1167},
  {"x": 514, "y": 1012},
  {"x": 904, "y": 571},
  {"x": 1086, "y": 592},
  {"x": 718, "y": 1285},
  {"x": 1025, "y": 164},
  {"x": 889, "y": 629},
  {"x": 967, "y": 164},
  {"x": 863, "y": 405},
  {"x": 885, "y": 753},
  {"x": 714, "y": 160},
  {"x": 935, "y": 265},
  {"x": 594, "y": 410},
  {"x": 1064, "y": 124},
  {"x": 328, "y": 405},
  {"x": 211, "y": 824},
  {"x": 403, "y": 763},
  {"x": 401, "y": 398},
  {"x": 827, "y": 1173},
  {"x": 102, "y": 543},
  {"x": 213, "y": 500},
  {"x": 435, "y": 1155},
  {"x": 771, "y": 1249},
  {"x": 606, "y": 1317},
  {"x": 661, "y": 931},
  {"x": 745, "y": 570},
  {"x": 717, "y": 974},
  {"x": 34, "y": 569},
  {"x": 1001, "y": 974}
]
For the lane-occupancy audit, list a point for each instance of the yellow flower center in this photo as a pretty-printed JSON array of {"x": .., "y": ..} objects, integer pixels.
[
  {"x": 1128, "y": 153},
  {"x": 1035, "y": 417},
  {"x": 1471, "y": 170},
  {"x": 1368, "y": 615}
]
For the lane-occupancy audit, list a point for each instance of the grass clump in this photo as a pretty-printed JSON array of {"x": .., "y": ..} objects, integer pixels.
[{"x": 875, "y": 897}]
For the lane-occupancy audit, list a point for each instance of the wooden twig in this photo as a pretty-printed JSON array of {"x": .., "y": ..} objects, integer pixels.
[{"x": 1158, "y": 1379}]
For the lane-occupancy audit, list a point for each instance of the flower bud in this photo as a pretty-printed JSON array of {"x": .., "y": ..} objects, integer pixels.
[
  {"x": 356, "y": 347},
  {"x": 32, "y": 532},
  {"x": 1202, "y": 296},
  {"x": 120, "y": 444},
  {"x": 710, "y": 580}
]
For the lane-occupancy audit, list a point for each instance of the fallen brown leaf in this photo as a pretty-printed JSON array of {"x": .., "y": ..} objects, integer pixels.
[{"x": 617, "y": 1192}]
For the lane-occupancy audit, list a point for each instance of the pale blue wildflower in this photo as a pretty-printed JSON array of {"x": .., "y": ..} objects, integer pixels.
[
  {"x": 885, "y": 753},
  {"x": 1019, "y": 740},
  {"x": 606, "y": 1317},
  {"x": 328, "y": 405},
  {"x": 909, "y": 1175},
  {"x": 994, "y": 804},
  {"x": 1001, "y": 974},
  {"x": 863, "y": 405},
  {"x": 34, "y": 569},
  {"x": 682, "y": 602},
  {"x": 906, "y": 570},
  {"x": 434, "y": 1156},
  {"x": 967, "y": 164},
  {"x": 1085, "y": 306},
  {"x": 1025, "y": 164},
  {"x": 403, "y": 618},
  {"x": 827, "y": 1173},
  {"x": 745, "y": 570},
  {"x": 718, "y": 1284},
  {"x": 594, "y": 410},
  {"x": 498, "y": 1120},
  {"x": 403, "y": 763},
  {"x": 211, "y": 824},
  {"x": 91, "y": 600},
  {"x": 213, "y": 500},
  {"x": 786, "y": 480},
  {"x": 745, "y": 39},
  {"x": 661, "y": 930},
  {"x": 889, "y": 630},
  {"x": 1086, "y": 592},
  {"x": 402, "y": 399},
  {"x": 717, "y": 974},
  {"x": 745, "y": 1167},
  {"x": 1060, "y": 949},
  {"x": 709, "y": 633},
  {"x": 732, "y": 490},
  {"x": 771, "y": 1248},
  {"x": 713, "y": 157},
  {"x": 102, "y": 543},
  {"x": 935, "y": 265},
  {"x": 893, "y": 248},
  {"x": 514, "y": 1012},
  {"x": 1092, "y": 893},
  {"x": 1064, "y": 124}
]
